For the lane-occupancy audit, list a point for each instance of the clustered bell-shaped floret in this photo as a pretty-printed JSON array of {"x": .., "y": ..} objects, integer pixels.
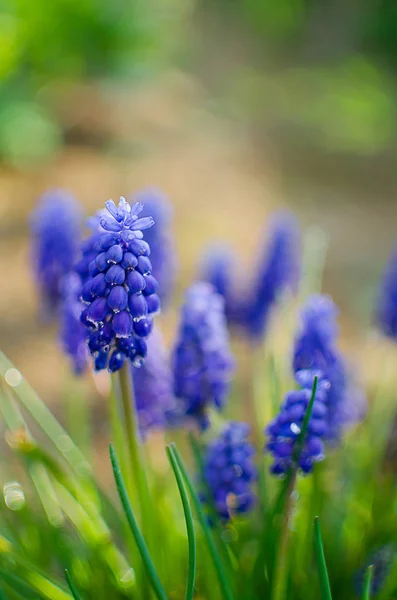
[
  {"x": 283, "y": 432},
  {"x": 120, "y": 292},
  {"x": 230, "y": 472}
]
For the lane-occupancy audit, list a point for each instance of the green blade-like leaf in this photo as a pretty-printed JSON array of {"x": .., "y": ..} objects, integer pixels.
[
  {"x": 44, "y": 418},
  {"x": 222, "y": 577},
  {"x": 321, "y": 564},
  {"x": 189, "y": 523},
  {"x": 71, "y": 585},
  {"x": 368, "y": 582},
  {"x": 140, "y": 542}
]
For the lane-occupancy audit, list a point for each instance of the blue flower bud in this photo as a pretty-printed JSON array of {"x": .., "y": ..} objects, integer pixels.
[
  {"x": 122, "y": 324},
  {"x": 144, "y": 265},
  {"x": 115, "y": 275},
  {"x": 116, "y": 361},
  {"x": 136, "y": 282},
  {"x": 118, "y": 298},
  {"x": 138, "y": 306},
  {"x": 143, "y": 327},
  {"x": 115, "y": 254},
  {"x": 97, "y": 311},
  {"x": 101, "y": 262},
  {"x": 153, "y": 304},
  {"x": 129, "y": 261},
  {"x": 150, "y": 285}
]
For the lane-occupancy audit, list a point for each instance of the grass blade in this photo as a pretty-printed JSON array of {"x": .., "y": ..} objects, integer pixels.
[
  {"x": 368, "y": 582},
  {"x": 191, "y": 536},
  {"x": 223, "y": 580},
  {"x": 44, "y": 418},
  {"x": 71, "y": 585},
  {"x": 321, "y": 564},
  {"x": 140, "y": 542}
]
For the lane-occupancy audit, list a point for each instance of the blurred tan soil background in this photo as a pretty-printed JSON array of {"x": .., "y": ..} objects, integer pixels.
[{"x": 233, "y": 109}]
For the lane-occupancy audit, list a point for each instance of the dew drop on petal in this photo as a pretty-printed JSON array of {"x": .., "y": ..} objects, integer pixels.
[{"x": 295, "y": 429}]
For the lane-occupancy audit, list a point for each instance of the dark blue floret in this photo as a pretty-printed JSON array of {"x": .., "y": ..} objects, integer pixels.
[
  {"x": 229, "y": 471},
  {"x": 283, "y": 432},
  {"x": 202, "y": 360},
  {"x": 161, "y": 241},
  {"x": 386, "y": 310},
  {"x": 56, "y": 233},
  {"x": 277, "y": 271},
  {"x": 153, "y": 386},
  {"x": 117, "y": 284}
]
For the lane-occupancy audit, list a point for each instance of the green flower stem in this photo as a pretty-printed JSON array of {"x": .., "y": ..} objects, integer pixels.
[
  {"x": 140, "y": 542},
  {"x": 321, "y": 564},
  {"x": 189, "y": 523},
  {"x": 281, "y": 567},
  {"x": 136, "y": 463},
  {"x": 368, "y": 583},
  {"x": 219, "y": 568},
  {"x": 71, "y": 585}
]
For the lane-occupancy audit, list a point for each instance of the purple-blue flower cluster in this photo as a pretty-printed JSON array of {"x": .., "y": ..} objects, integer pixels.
[
  {"x": 202, "y": 360},
  {"x": 120, "y": 292},
  {"x": 56, "y": 233},
  {"x": 217, "y": 267},
  {"x": 153, "y": 386},
  {"x": 316, "y": 348},
  {"x": 230, "y": 472},
  {"x": 276, "y": 272},
  {"x": 283, "y": 432},
  {"x": 72, "y": 332},
  {"x": 386, "y": 310},
  {"x": 161, "y": 241}
]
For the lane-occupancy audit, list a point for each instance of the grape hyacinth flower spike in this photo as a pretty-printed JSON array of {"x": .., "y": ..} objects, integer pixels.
[
  {"x": 153, "y": 386},
  {"x": 217, "y": 267},
  {"x": 202, "y": 360},
  {"x": 316, "y": 349},
  {"x": 56, "y": 232},
  {"x": 277, "y": 271},
  {"x": 230, "y": 472},
  {"x": 386, "y": 310},
  {"x": 120, "y": 293},
  {"x": 72, "y": 332},
  {"x": 283, "y": 432}
]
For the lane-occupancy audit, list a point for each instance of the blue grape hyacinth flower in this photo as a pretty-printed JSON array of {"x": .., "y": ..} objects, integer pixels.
[
  {"x": 120, "y": 293},
  {"x": 56, "y": 234},
  {"x": 203, "y": 363},
  {"x": 153, "y": 386},
  {"x": 386, "y": 310},
  {"x": 316, "y": 349},
  {"x": 217, "y": 267},
  {"x": 161, "y": 241},
  {"x": 230, "y": 472},
  {"x": 276, "y": 272},
  {"x": 72, "y": 332},
  {"x": 283, "y": 432}
]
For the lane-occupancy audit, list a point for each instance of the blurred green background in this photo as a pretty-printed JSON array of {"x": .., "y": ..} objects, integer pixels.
[{"x": 234, "y": 107}]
